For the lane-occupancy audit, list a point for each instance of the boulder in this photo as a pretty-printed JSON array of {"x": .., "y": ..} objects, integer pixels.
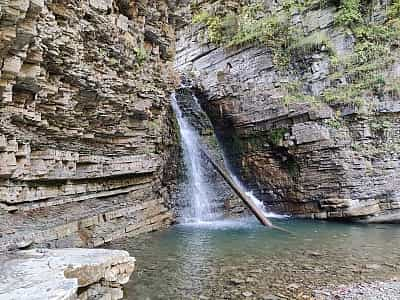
[{"x": 58, "y": 274}]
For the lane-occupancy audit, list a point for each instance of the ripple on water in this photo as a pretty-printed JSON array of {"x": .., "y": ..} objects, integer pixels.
[{"x": 230, "y": 257}]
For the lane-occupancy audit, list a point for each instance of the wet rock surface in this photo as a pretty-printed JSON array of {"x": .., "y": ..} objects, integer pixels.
[
  {"x": 225, "y": 199},
  {"x": 65, "y": 274}
]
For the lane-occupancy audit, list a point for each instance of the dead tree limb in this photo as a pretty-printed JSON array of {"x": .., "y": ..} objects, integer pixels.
[{"x": 238, "y": 191}]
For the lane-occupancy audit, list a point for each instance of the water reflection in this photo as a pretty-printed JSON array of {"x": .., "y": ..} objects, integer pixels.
[
  {"x": 202, "y": 260},
  {"x": 195, "y": 260}
]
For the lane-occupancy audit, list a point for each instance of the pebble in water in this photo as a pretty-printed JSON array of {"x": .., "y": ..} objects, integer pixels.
[{"x": 224, "y": 264}]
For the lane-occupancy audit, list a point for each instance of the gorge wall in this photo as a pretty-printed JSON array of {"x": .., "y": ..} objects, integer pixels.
[
  {"x": 87, "y": 142},
  {"x": 305, "y": 98}
]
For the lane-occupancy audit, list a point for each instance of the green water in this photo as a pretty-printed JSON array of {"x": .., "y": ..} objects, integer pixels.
[{"x": 235, "y": 258}]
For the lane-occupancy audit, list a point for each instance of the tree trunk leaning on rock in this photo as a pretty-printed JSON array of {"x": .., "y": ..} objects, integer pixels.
[{"x": 238, "y": 191}]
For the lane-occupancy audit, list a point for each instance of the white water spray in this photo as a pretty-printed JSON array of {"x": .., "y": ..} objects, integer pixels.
[
  {"x": 200, "y": 205},
  {"x": 255, "y": 200},
  {"x": 199, "y": 195}
]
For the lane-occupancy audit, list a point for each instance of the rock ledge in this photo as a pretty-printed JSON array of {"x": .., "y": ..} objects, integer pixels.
[{"x": 65, "y": 274}]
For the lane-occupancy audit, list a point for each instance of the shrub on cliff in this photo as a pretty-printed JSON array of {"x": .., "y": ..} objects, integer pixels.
[
  {"x": 349, "y": 13},
  {"x": 394, "y": 10}
]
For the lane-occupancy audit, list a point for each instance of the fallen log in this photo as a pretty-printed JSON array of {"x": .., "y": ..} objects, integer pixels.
[{"x": 238, "y": 191}]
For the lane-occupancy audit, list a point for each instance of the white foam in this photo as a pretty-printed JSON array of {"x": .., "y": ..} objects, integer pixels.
[{"x": 244, "y": 222}]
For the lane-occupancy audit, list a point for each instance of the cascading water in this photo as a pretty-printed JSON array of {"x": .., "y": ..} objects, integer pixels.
[
  {"x": 199, "y": 194},
  {"x": 256, "y": 201}
]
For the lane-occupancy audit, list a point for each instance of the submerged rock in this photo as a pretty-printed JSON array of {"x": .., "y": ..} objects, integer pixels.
[
  {"x": 65, "y": 274},
  {"x": 237, "y": 281},
  {"x": 247, "y": 294}
]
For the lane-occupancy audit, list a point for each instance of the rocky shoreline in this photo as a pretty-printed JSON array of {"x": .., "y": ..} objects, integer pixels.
[
  {"x": 379, "y": 290},
  {"x": 66, "y": 274}
]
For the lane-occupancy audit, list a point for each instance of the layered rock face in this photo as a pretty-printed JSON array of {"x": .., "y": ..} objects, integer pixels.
[
  {"x": 65, "y": 274},
  {"x": 336, "y": 159},
  {"x": 86, "y": 133}
]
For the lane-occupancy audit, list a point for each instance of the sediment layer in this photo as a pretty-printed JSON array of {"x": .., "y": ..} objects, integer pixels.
[{"x": 86, "y": 130}]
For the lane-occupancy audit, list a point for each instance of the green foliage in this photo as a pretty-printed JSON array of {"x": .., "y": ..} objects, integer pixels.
[
  {"x": 276, "y": 136},
  {"x": 381, "y": 127},
  {"x": 359, "y": 81},
  {"x": 367, "y": 51},
  {"x": 300, "y": 6},
  {"x": 394, "y": 9},
  {"x": 201, "y": 17},
  {"x": 293, "y": 6},
  {"x": 363, "y": 69},
  {"x": 349, "y": 13},
  {"x": 373, "y": 42},
  {"x": 249, "y": 26},
  {"x": 295, "y": 94},
  {"x": 194, "y": 6},
  {"x": 215, "y": 32},
  {"x": 375, "y": 33},
  {"x": 378, "y": 83},
  {"x": 350, "y": 93},
  {"x": 243, "y": 28},
  {"x": 355, "y": 92},
  {"x": 301, "y": 98},
  {"x": 361, "y": 72},
  {"x": 292, "y": 167},
  {"x": 141, "y": 55},
  {"x": 307, "y": 45},
  {"x": 214, "y": 26},
  {"x": 356, "y": 147},
  {"x": 378, "y": 125},
  {"x": 252, "y": 29},
  {"x": 393, "y": 87},
  {"x": 268, "y": 31},
  {"x": 334, "y": 122},
  {"x": 354, "y": 78}
]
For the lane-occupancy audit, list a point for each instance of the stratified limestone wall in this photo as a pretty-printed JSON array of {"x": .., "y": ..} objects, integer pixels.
[
  {"x": 319, "y": 161},
  {"x": 86, "y": 132}
]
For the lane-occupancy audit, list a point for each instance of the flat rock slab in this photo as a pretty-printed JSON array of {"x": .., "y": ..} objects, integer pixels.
[{"x": 57, "y": 274}]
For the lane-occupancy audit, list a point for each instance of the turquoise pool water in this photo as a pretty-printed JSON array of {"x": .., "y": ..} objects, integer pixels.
[{"x": 239, "y": 259}]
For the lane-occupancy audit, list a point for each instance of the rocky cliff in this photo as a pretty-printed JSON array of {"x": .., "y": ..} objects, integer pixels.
[
  {"x": 86, "y": 132},
  {"x": 305, "y": 98}
]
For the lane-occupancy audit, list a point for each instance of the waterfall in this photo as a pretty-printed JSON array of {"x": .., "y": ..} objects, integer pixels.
[
  {"x": 199, "y": 195},
  {"x": 256, "y": 201}
]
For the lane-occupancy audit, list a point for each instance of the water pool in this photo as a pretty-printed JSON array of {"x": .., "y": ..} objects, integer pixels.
[{"x": 239, "y": 259}]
